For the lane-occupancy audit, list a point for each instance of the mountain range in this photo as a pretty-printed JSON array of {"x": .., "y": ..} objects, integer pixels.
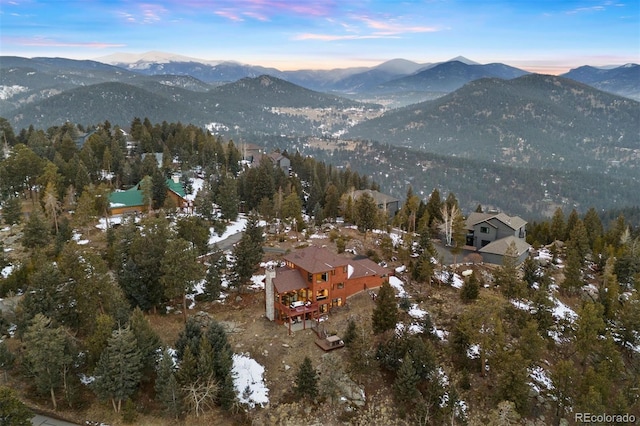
[{"x": 585, "y": 121}]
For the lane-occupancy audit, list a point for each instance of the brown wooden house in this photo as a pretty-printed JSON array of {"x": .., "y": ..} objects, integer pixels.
[{"x": 315, "y": 280}]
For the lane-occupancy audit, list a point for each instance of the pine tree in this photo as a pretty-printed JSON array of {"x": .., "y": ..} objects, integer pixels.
[
  {"x": 247, "y": 253},
  {"x": 12, "y": 210},
  {"x": 306, "y": 385},
  {"x": 385, "y": 314},
  {"x": 405, "y": 386},
  {"x": 119, "y": 370},
  {"x": 189, "y": 337},
  {"x": 13, "y": 412},
  {"x": 558, "y": 226},
  {"x": 36, "y": 231},
  {"x": 366, "y": 213},
  {"x": 470, "y": 289},
  {"x": 188, "y": 371},
  {"x": 46, "y": 356},
  {"x": 351, "y": 333},
  {"x": 215, "y": 271},
  {"x": 7, "y": 359},
  {"x": 506, "y": 277},
  {"x": 228, "y": 198},
  {"x": 168, "y": 392},
  {"x": 147, "y": 340},
  {"x": 180, "y": 271}
]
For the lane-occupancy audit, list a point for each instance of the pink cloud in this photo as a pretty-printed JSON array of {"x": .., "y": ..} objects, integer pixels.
[
  {"x": 262, "y": 10},
  {"x": 336, "y": 37},
  {"x": 392, "y": 26},
  {"x": 145, "y": 13}
]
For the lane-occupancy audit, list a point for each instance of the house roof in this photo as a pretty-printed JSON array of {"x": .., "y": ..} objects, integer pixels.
[
  {"x": 315, "y": 259},
  {"x": 378, "y": 196},
  {"x": 500, "y": 246},
  {"x": 176, "y": 187},
  {"x": 132, "y": 197},
  {"x": 513, "y": 222},
  {"x": 366, "y": 268},
  {"x": 129, "y": 198},
  {"x": 288, "y": 279}
]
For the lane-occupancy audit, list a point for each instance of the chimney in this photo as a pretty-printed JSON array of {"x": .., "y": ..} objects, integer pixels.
[{"x": 269, "y": 296}]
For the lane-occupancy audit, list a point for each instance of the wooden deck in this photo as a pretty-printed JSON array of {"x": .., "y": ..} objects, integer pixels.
[{"x": 330, "y": 343}]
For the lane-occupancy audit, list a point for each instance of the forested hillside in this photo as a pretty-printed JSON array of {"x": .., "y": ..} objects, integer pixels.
[
  {"x": 533, "y": 121},
  {"x": 145, "y": 319}
]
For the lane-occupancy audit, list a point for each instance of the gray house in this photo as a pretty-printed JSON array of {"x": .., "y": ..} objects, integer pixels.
[
  {"x": 281, "y": 161},
  {"x": 385, "y": 202},
  {"x": 491, "y": 234}
]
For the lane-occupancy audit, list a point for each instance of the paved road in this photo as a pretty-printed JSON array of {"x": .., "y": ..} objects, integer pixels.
[
  {"x": 228, "y": 242},
  {"x": 39, "y": 420}
]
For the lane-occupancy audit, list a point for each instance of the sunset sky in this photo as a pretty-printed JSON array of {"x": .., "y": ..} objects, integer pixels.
[{"x": 541, "y": 36}]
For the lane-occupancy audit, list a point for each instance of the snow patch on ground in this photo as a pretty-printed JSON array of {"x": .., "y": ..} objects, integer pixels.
[
  {"x": 398, "y": 285},
  {"x": 249, "y": 381},
  {"x": 257, "y": 282},
  {"x": 232, "y": 229},
  {"x": 540, "y": 380},
  {"x": 6, "y": 271},
  {"x": 444, "y": 277},
  {"x": 416, "y": 312}
]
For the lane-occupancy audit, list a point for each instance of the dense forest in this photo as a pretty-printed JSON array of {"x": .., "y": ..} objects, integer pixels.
[{"x": 81, "y": 328}]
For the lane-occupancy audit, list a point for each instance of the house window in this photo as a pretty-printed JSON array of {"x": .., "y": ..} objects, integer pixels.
[
  {"x": 323, "y": 278},
  {"x": 340, "y": 286},
  {"x": 336, "y": 302},
  {"x": 322, "y": 294},
  {"x": 484, "y": 229},
  {"x": 324, "y": 308},
  {"x": 310, "y": 277}
]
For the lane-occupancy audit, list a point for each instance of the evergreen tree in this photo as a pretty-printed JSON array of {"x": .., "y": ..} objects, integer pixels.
[
  {"x": 405, "y": 386},
  {"x": 572, "y": 220},
  {"x": 7, "y": 359},
  {"x": 147, "y": 340},
  {"x": 215, "y": 274},
  {"x": 188, "y": 371},
  {"x": 46, "y": 356},
  {"x": 12, "y": 210},
  {"x": 247, "y": 254},
  {"x": 159, "y": 189},
  {"x": 385, "y": 314},
  {"x": 195, "y": 230},
  {"x": 119, "y": 370},
  {"x": 572, "y": 271},
  {"x": 36, "y": 231},
  {"x": 228, "y": 198},
  {"x": 366, "y": 213},
  {"x": 470, "y": 289},
  {"x": 306, "y": 385},
  {"x": 189, "y": 337},
  {"x": 96, "y": 342},
  {"x": 168, "y": 392},
  {"x": 351, "y": 333},
  {"x": 434, "y": 206},
  {"x": 558, "y": 225},
  {"x": 506, "y": 277},
  {"x": 180, "y": 271},
  {"x": 13, "y": 412}
]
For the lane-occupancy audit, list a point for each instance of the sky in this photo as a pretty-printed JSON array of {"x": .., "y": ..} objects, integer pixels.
[{"x": 548, "y": 36}]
